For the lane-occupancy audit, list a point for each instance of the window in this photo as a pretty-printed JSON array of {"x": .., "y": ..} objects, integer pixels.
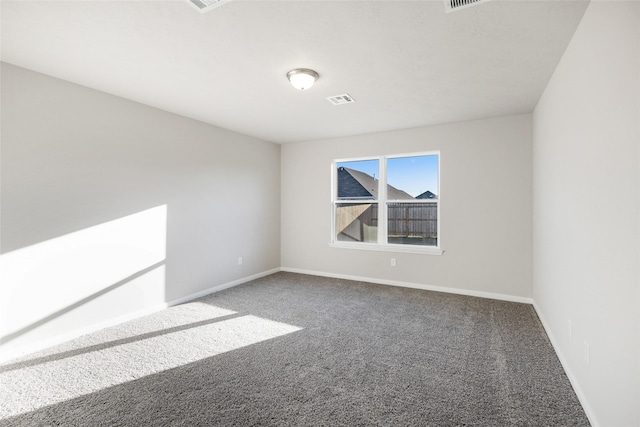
[{"x": 387, "y": 203}]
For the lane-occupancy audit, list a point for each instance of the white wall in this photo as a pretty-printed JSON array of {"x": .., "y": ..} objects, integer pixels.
[
  {"x": 110, "y": 208},
  {"x": 485, "y": 207},
  {"x": 586, "y": 140}
]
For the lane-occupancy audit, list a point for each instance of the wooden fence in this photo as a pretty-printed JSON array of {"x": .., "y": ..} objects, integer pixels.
[
  {"x": 404, "y": 220},
  {"x": 412, "y": 220}
]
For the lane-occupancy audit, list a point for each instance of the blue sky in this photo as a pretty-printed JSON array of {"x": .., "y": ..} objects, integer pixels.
[{"x": 415, "y": 175}]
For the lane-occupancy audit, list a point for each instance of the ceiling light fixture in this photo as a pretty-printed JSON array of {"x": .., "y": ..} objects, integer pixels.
[{"x": 302, "y": 78}]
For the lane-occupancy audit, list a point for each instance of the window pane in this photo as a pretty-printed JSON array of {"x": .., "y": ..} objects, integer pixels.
[
  {"x": 415, "y": 177},
  {"x": 357, "y": 222},
  {"x": 357, "y": 180},
  {"x": 413, "y": 223}
]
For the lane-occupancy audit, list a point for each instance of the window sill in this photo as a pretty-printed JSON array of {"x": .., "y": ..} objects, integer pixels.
[{"x": 427, "y": 250}]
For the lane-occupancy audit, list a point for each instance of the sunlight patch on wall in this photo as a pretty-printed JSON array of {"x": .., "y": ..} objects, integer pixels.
[
  {"x": 60, "y": 379},
  {"x": 48, "y": 281}
]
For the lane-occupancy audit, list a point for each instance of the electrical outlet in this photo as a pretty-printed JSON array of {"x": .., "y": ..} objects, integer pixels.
[
  {"x": 570, "y": 330},
  {"x": 240, "y": 260},
  {"x": 393, "y": 262},
  {"x": 587, "y": 355}
]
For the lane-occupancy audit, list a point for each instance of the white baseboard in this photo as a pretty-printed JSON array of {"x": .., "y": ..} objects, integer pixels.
[
  {"x": 219, "y": 288},
  {"x": 567, "y": 369},
  {"x": 456, "y": 291},
  {"x": 6, "y": 355}
]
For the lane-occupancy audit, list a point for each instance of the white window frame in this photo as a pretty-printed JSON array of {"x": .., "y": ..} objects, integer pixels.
[{"x": 382, "y": 202}]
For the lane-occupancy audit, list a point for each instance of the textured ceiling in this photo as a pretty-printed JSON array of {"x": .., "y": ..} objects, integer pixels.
[{"x": 407, "y": 63}]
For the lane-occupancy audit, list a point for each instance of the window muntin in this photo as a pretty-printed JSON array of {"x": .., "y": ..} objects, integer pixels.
[{"x": 389, "y": 201}]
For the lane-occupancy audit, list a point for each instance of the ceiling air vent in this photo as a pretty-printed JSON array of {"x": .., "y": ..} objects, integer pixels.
[
  {"x": 345, "y": 98},
  {"x": 206, "y": 5},
  {"x": 453, "y": 5}
]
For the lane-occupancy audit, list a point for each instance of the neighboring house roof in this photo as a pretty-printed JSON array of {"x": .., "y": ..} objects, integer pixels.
[
  {"x": 349, "y": 187},
  {"x": 353, "y": 184},
  {"x": 427, "y": 195}
]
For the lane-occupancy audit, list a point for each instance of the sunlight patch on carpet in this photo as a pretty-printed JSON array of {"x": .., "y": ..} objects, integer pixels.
[{"x": 33, "y": 387}]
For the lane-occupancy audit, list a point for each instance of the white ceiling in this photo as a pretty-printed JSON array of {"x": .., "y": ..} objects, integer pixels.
[{"x": 407, "y": 63}]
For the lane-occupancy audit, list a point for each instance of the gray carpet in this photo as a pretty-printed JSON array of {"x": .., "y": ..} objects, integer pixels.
[{"x": 296, "y": 350}]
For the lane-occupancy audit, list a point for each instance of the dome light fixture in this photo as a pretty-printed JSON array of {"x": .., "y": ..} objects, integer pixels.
[{"x": 302, "y": 78}]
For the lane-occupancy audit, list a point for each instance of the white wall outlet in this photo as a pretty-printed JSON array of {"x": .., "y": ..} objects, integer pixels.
[
  {"x": 239, "y": 260},
  {"x": 393, "y": 262},
  {"x": 587, "y": 355},
  {"x": 570, "y": 329}
]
